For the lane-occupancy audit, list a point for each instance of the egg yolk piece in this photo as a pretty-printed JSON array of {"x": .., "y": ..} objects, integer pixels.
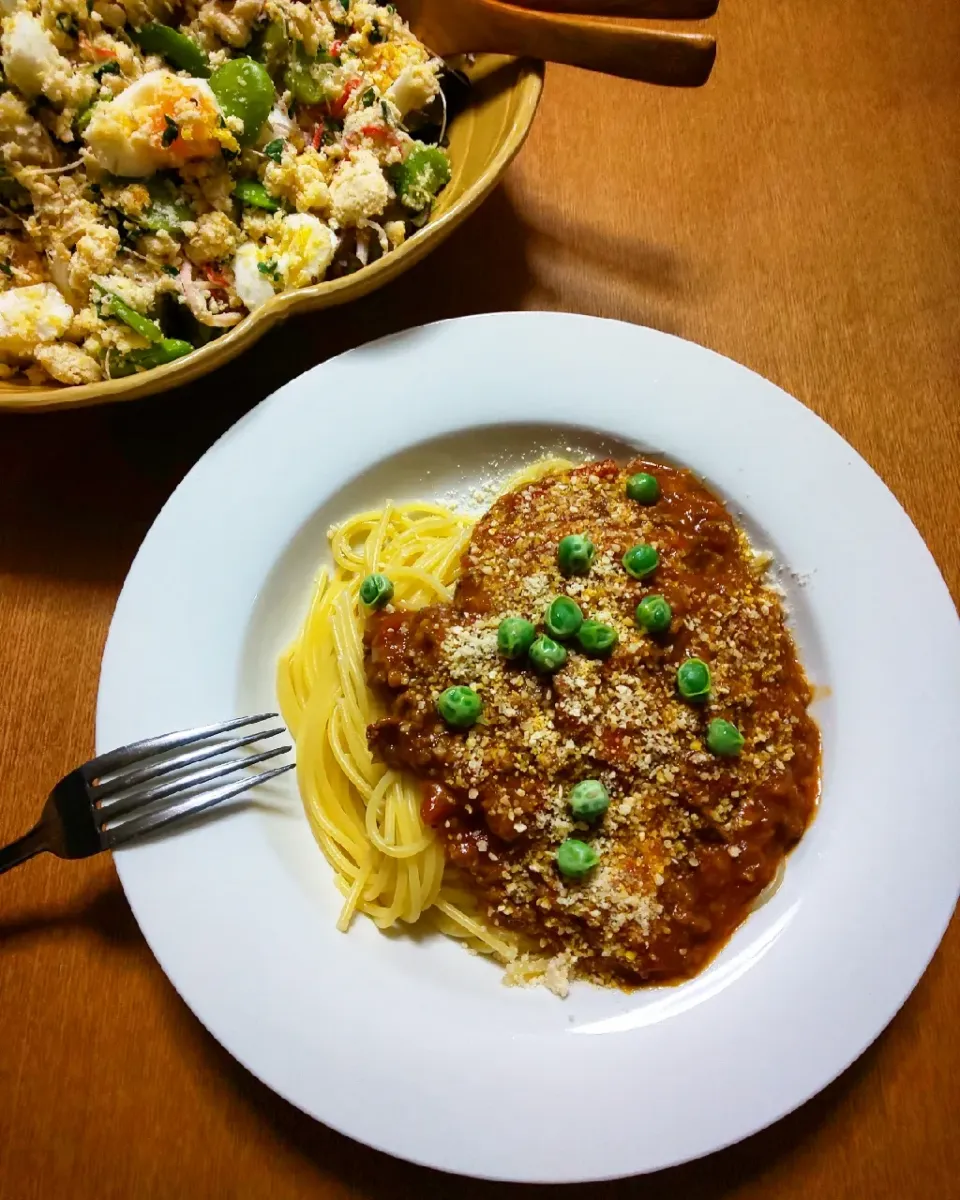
[{"x": 159, "y": 122}]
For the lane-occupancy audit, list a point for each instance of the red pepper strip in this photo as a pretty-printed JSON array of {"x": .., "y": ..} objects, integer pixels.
[
  {"x": 97, "y": 51},
  {"x": 336, "y": 47},
  {"x": 317, "y": 134},
  {"x": 338, "y": 107},
  {"x": 380, "y": 131},
  {"x": 215, "y": 275}
]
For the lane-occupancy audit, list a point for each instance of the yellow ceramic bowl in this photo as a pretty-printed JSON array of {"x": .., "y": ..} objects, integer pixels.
[{"x": 483, "y": 140}]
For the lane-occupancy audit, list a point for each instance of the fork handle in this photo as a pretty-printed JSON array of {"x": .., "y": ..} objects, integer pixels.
[{"x": 23, "y": 848}]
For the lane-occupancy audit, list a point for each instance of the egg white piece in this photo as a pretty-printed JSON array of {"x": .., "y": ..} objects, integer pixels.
[
  {"x": 29, "y": 55},
  {"x": 160, "y": 121},
  {"x": 252, "y": 286},
  {"x": 31, "y": 316}
]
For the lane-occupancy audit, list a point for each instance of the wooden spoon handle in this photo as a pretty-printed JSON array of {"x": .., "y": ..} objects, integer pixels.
[
  {"x": 650, "y": 55},
  {"x": 671, "y": 10}
]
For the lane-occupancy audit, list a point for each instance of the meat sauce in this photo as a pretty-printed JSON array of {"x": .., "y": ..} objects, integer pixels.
[{"x": 690, "y": 839}]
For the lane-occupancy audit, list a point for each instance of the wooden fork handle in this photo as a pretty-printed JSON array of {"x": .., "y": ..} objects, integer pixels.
[
  {"x": 650, "y": 55},
  {"x": 670, "y": 10}
]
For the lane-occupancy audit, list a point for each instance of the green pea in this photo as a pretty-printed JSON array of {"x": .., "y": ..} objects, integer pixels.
[
  {"x": 113, "y": 306},
  {"x": 597, "y": 639},
  {"x": 376, "y": 591},
  {"x": 575, "y": 858},
  {"x": 515, "y": 636},
  {"x": 157, "y": 355},
  {"x": 179, "y": 50},
  {"x": 575, "y": 554},
  {"x": 589, "y": 799},
  {"x": 252, "y": 193},
  {"x": 724, "y": 738},
  {"x": 460, "y": 707},
  {"x": 643, "y": 488},
  {"x": 563, "y": 618},
  {"x": 654, "y": 614},
  {"x": 547, "y": 655},
  {"x": 693, "y": 679},
  {"x": 641, "y": 560},
  {"x": 421, "y": 175},
  {"x": 244, "y": 89}
]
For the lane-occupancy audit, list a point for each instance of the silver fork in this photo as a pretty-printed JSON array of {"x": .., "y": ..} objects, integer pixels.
[{"x": 131, "y": 791}]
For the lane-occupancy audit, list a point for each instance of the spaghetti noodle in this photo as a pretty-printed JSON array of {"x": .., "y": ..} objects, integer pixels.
[{"x": 366, "y": 817}]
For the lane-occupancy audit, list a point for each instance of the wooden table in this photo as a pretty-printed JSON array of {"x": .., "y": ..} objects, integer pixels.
[{"x": 800, "y": 214}]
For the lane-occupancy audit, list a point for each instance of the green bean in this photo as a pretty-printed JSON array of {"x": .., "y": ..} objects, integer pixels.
[
  {"x": 166, "y": 211},
  {"x": 252, "y": 192},
  {"x": 244, "y": 89},
  {"x": 310, "y": 85},
  {"x": 116, "y": 307},
  {"x": 179, "y": 50},
  {"x": 273, "y": 47},
  {"x": 165, "y": 351},
  {"x": 419, "y": 178}
]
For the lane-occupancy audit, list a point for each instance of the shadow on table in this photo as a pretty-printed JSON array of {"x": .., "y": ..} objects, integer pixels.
[
  {"x": 381, "y": 1177},
  {"x": 100, "y": 909},
  {"x": 79, "y": 489}
]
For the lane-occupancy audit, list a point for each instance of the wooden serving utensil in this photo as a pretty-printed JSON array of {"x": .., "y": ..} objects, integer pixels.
[
  {"x": 670, "y": 10},
  {"x": 451, "y": 27}
]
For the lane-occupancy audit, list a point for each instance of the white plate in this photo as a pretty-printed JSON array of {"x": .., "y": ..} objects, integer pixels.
[{"x": 413, "y": 1045}]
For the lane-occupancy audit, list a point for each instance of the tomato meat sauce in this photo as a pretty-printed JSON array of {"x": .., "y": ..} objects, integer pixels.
[{"x": 691, "y": 836}]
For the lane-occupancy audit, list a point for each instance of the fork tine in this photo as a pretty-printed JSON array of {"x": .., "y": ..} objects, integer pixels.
[
  {"x": 135, "y": 826},
  {"x": 121, "y": 780},
  {"x": 125, "y": 801},
  {"x": 125, "y": 755}
]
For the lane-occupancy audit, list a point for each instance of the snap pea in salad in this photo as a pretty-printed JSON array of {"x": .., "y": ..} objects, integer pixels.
[{"x": 167, "y": 168}]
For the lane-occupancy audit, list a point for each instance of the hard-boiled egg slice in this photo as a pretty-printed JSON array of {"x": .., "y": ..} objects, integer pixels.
[
  {"x": 297, "y": 255},
  {"x": 305, "y": 249},
  {"x": 31, "y": 316},
  {"x": 160, "y": 121}
]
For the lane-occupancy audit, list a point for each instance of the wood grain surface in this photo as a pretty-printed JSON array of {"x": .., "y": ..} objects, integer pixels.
[{"x": 800, "y": 214}]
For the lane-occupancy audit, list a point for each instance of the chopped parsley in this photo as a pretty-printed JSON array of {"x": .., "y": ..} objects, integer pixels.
[
  {"x": 6, "y": 268},
  {"x": 369, "y": 97},
  {"x": 274, "y": 150},
  {"x": 171, "y": 133},
  {"x": 332, "y": 128},
  {"x": 385, "y": 109},
  {"x": 168, "y": 270},
  {"x": 66, "y": 24},
  {"x": 269, "y": 268},
  {"x": 374, "y": 35},
  {"x": 107, "y": 68}
]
